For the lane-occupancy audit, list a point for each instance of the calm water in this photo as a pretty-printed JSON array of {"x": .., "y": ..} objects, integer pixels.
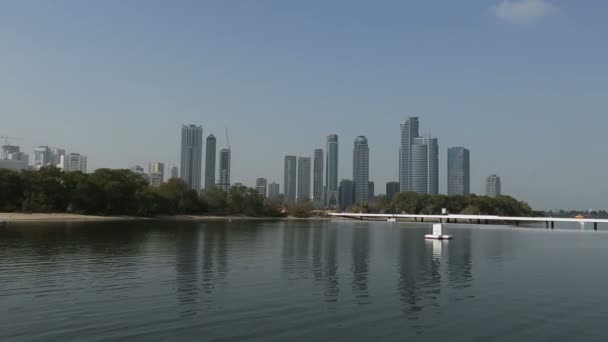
[{"x": 302, "y": 281}]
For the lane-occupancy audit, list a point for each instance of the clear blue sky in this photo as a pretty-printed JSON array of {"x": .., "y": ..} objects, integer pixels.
[{"x": 520, "y": 83}]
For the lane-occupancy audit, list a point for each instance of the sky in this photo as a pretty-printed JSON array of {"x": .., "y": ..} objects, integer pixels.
[{"x": 521, "y": 83}]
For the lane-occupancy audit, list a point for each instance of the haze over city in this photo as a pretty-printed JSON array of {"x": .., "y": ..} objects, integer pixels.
[{"x": 519, "y": 83}]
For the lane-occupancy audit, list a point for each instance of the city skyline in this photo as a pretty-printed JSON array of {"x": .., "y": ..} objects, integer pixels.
[{"x": 475, "y": 78}]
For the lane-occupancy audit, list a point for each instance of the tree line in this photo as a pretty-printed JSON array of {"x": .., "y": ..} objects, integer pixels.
[
  {"x": 414, "y": 203},
  {"x": 122, "y": 192}
]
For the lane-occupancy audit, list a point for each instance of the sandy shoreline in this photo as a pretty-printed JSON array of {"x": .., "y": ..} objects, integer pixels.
[{"x": 64, "y": 217}]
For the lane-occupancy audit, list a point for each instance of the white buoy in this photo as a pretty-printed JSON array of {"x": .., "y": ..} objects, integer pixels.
[{"x": 438, "y": 233}]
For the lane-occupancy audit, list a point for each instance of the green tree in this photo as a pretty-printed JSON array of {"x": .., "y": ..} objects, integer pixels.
[{"x": 11, "y": 190}]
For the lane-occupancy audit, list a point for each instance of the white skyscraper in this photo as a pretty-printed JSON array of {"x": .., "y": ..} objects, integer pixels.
[
  {"x": 191, "y": 156},
  {"x": 418, "y": 160},
  {"x": 493, "y": 186},
  {"x": 73, "y": 162}
]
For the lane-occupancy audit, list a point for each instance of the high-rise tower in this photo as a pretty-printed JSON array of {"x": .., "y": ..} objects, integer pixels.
[
  {"x": 303, "y": 179},
  {"x": 210, "y": 162},
  {"x": 331, "y": 175},
  {"x": 361, "y": 170},
  {"x": 317, "y": 183},
  {"x": 418, "y": 160},
  {"x": 290, "y": 179},
  {"x": 191, "y": 156},
  {"x": 459, "y": 179}
]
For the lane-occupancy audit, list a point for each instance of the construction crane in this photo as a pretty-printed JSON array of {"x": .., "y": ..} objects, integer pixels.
[{"x": 6, "y": 138}]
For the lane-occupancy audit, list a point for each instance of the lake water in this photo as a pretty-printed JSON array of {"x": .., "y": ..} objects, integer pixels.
[{"x": 300, "y": 281}]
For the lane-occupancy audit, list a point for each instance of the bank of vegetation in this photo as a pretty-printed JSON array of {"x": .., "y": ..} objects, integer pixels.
[
  {"x": 413, "y": 203},
  {"x": 121, "y": 192}
]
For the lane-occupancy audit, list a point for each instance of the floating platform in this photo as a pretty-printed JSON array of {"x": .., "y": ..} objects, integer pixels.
[
  {"x": 391, "y": 219},
  {"x": 438, "y": 233},
  {"x": 438, "y": 237}
]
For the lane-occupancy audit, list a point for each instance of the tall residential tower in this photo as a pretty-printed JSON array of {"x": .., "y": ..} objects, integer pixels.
[
  {"x": 303, "y": 179},
  {"x": 361, "y": 170},
  {"x": 331, "y": 174},
  {"x": 317, "y": 183},
  {"x": 210, "y": 162},
  {"x": 493, "y": 186},
  {"x": 418, "y": 160},
  {"x": 191, "y": 156},
  {"x": 225, "y": 156},
  {"x": 289, "y": 182},
  {"x": 459, "y": 178}
]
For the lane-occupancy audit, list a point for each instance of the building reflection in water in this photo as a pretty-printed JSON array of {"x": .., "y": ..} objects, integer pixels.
[
  {"x": 332, "y": 284},
  {"x": 199, "y": 273},
  {"x": 360, "y": 267},
  {"x": 187, "y": 246},
  {"x": 432, "y": 271}
]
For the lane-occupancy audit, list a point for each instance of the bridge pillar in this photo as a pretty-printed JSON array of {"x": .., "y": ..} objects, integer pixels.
[
  {"x": 546, "y": 224},
  {"x": 594, "y": 225},
  {"x": 517, "y": 223},
  {"x": 552, "y": 224},
  {"x": 422, "y": 219},
  {"x": 478, "y": 221}
]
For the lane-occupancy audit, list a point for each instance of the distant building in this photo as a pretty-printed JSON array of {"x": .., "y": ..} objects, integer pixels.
[
  {"x": 191, "y": 156},
  {"x": 158, "y": 169},
  {"x": 303, "y": 179},
  {"x": 371, "y": 190},
  {"x": 42, "y": 156},
  {"x": 174, "y": 172},
  {"x": 392, "y": 188},
  {"x": 289, "y": 180},
  {"x": 9, "y": 149},
  {"x": 261, "y": 186},
  {"x": 55, "y": 155},
  {"x": 210, "y": 162},
  {"x": 155, "y": 179},
  {"x": 274, "y": 190},
  {"x": 317, "y": 183},
  {"x": 331, "y": 174},
  {"x": 346, "y": 194},
  {"x": 73, "y": 162},
  {"x": 418, "y": 160},
  {"x": 459, "y": 178},
  {"x": 361, "y": 170},
  {"x": 225, "y": 156},
  {"x": 137, "y": 169},
  {"x": 493, "y": 187}
]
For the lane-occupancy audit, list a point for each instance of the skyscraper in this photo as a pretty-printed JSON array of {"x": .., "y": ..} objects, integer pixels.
[
  {"x": 317, "y": 183},
  {"x": 361, "y": 170},
  {"x": 493, "y": 186},
  {"x": 303, "y": 179},
  {"x": 156, "y": 173},
  {"x": 371, "y": 191},
  {"x": 290, "y": 179},
  {"x": 225, "y": 155},
  {"x": 346, "y": 194},
  {"x": 260, "y": 186},
  {"x": 174, "y": 172},
  {"x": 331, "y": 175},
  {"x": 459, "y": 181},
  {"x": 392, "y": 188},
  {"x": 274, "y": 190},
  {"x": 157, "y": 168},
  {"x": 55, "y": 155},
  {"x": 73, "y": 162},
  {"x": 418, "y": 160},
  {"x": 42, "y": 156},
  {"x": 191, "y": 157},
  {"x": 210, "y": 162}
]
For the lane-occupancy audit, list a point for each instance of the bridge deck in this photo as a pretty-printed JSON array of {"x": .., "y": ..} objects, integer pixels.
[{"x": 472, "y": 217}]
